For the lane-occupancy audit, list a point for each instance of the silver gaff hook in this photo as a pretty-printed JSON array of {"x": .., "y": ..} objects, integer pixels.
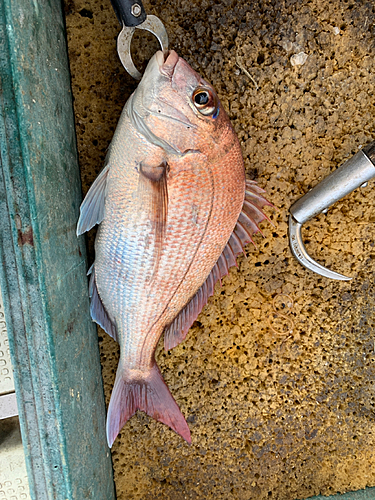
[
  {"x": 131, "y": 15},
  {"x": 354, "y": 173}
]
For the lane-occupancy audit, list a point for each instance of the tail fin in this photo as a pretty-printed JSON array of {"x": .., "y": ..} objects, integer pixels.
[{"x": 149, "y": 394}]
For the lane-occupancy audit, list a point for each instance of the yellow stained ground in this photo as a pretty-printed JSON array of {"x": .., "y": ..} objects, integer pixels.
[{"x": 280, "y": 417}]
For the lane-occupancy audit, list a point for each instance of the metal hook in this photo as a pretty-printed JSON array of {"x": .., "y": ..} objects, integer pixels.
[
  {"x": 132, "y": 15},
  {"x": 151, "y": 24},
  {"x": 354, "y": 173}
]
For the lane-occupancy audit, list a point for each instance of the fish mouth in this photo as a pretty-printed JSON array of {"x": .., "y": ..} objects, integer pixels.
[{"x": 167, "y": 62}]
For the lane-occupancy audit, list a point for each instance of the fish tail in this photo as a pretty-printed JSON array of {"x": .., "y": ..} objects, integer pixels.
[{"x": 149, "y": 394}]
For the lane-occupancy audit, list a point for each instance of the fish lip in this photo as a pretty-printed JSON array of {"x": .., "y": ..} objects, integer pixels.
[{"x": 167, "y": 62}]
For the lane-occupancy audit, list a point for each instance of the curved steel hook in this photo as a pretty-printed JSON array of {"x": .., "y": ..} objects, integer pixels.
[
  {"x": 300, "y": 253},
  {"x": 352, "y": 174}
]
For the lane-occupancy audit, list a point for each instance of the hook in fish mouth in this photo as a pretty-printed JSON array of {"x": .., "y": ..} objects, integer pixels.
[
  {"x": 167, "y": 61},
  {"x": 151, "y": 24},
  {"x": 354, "y": 173}
]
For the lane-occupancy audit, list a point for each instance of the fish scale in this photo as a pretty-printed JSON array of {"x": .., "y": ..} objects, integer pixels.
[{"x": 168, "y": 200}]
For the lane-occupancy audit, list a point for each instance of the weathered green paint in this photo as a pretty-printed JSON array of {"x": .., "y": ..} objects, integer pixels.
[
  {"x": 43, "y": 267},
  {"x": 367, "y": 494}
]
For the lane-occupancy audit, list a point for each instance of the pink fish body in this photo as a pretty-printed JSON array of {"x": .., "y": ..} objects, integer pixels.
[{"x": 174, "y": 210}]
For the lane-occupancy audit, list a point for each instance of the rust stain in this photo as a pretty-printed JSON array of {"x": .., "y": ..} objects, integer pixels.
[{"x": 25, "y": 237}]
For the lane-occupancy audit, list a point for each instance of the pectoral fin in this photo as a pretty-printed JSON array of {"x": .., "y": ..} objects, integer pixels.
[
  {"x": 97, "y": 309},
  {"x": 153, "y": 195}
]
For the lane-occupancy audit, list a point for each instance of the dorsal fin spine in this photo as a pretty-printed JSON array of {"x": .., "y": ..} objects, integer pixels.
[
  {"x": 251, "y": 206},
  {"x": 250, "y": 222},
  {"x": 248, "y": 238},
  {"x": 236, "y": 245}
]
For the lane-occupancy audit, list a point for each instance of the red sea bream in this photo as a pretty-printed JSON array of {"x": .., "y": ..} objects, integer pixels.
[{"x": 175, "y": 210}]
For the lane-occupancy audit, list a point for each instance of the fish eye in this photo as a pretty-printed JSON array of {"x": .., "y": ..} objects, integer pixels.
[
  {"x": 201, "y": 98},
  {"x": 205, "y": 101}
]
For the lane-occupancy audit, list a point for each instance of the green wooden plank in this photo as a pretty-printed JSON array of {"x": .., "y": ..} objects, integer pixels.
[
  {"x": 367, "y": 494},
  {"x": 53, "y": 342}
]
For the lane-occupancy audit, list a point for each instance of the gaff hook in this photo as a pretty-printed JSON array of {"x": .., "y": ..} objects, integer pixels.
[
  {"x": 132, "y": 15},
  {"x": 354, "y": 173}
]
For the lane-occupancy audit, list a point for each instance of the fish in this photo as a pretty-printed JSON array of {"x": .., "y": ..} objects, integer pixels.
[{"x": 174, "y": 210}]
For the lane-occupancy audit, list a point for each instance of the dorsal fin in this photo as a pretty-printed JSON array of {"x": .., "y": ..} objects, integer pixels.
[
  {"x": 92, "y": 207},
  {"x": 247, "y": 225}
]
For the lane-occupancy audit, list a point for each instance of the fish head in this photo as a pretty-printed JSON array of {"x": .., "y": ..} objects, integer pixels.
[{"x": 177, "y": 106}]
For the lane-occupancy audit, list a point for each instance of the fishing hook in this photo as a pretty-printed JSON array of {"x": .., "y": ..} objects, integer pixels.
[
  {"x": 354, "y": 173},
  {"x": 132, "y": 15}
]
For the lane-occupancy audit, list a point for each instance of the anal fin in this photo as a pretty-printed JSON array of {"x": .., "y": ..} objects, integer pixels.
[{"x": 97, "y": 309}]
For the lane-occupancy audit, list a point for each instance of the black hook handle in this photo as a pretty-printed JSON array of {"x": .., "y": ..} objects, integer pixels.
[{"x": 130, "y": 13}]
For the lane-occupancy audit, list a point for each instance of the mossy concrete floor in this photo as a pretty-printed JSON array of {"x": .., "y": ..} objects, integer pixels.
[{"x": 271, "y": 416}]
